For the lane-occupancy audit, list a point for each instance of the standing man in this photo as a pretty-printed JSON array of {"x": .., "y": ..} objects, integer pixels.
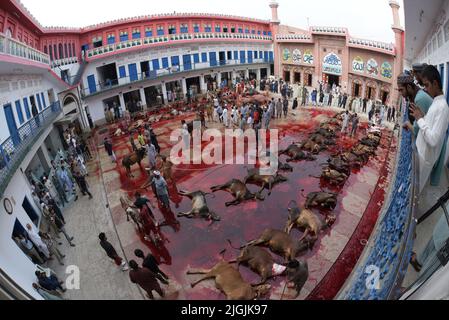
[
  {"x": 154, "y": 141},
  {"x": 161, "y": 189},
  {"x": 295, "y": 104},
  {"x": 331, "y": 98},
  {"x": 279, "y": 106},
  {"x": 145, "y": 279},
  {"x": 365, "y": 102},
  {"x": 37, "y": 241},
  {"x": 81, "y": 180},
  {"x": 151, "y": 264},
  {"x": 110, "y": 251},
  {"x": 412, "y": 93},
  {"x": 152, "y": 153},
  {"x": 344, "y": 127},
  {"x": 185, "y": 135},
  {"x": 108, "y": 147},
  {"x": 285, "y": 108},
  {"x": 433, "y": 127},
  {"x": 355, "y": 125}
]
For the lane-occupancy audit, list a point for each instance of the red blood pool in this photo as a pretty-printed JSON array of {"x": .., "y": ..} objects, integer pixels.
[{"x": 197, "y": 242}]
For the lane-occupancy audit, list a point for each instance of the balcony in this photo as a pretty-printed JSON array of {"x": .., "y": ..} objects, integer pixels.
[
  {"x": 15, "y": 148},
  {"x": 64, "y": 62},
  {"x": 170, "y": 39},
  {"x": 111, "y": 84},
  {"x": 13, "y": 47}
]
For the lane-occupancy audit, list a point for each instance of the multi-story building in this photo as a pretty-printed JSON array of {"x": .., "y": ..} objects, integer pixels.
[{"x": 52, "y": 77}]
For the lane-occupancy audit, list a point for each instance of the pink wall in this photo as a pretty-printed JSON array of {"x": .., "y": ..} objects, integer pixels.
[
  {"x": 18, "y": 30},
  {"x": 72, "y": 40}
]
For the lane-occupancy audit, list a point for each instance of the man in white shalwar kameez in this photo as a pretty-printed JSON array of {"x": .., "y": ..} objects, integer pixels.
[{"x": 432, "y": 126}]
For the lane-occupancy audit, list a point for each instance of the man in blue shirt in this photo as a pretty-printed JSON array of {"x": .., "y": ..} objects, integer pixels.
[{"x": 410, "y": 91}]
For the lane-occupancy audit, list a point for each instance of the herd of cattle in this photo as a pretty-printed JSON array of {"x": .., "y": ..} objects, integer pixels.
[{"x": 335, "y": 173}]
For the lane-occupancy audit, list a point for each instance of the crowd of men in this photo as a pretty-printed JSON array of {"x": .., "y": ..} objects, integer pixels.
[
  {"x": 51, "y": 193},
  {"x": 428, "y": 121}
]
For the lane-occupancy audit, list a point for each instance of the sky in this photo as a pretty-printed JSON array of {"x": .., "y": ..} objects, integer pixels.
[{"x": 368, "y": 19}]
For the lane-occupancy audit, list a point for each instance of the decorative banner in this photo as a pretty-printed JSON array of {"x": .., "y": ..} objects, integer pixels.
[
  {"x": 332, "y": 65},
  {"x": 286, "y": 54},
  {"x": 297, "y": 56},
  {"x": 358, "y": 65},
  {"x": 386, "y": 70},
  {"x": 308, "y": 57},
  {"x": 372, "y": 67}
]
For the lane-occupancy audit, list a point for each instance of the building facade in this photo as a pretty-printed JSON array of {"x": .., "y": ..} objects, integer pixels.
[{"x": 54, "y": 77}]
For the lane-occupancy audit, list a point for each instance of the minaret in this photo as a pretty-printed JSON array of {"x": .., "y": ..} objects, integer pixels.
[
  {"x": 399, "y": 45},
  {"x": 274, "y": 23},
  {"x": 274, "y": 12}
]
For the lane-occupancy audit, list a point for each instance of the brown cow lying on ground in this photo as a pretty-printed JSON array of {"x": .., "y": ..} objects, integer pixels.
[
  {"x": 280, "y": 243},
  {"x": 238, "y": 190},
  {"x": 199, "y": 206},
  {"x": 265, "y": 181},
  {"x": 230, "y": 282},
  {"x": 308, "y": 221}
]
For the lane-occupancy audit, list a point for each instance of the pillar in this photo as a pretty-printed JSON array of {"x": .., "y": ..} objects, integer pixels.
[
  {"x": 247, "y": 74},
  {"x": 46, "y": 155},
  {"x": 122, "y": 101},
  {"x": 274, "y": 25},
  {"x": 218, "y": 79},
  {"x": 292, "y": 76},
  {"x": 399, "y": 59},
  {"x": 234, "y": 76},
  {"x": 164, "y": 92},
  {"x": 143, "y": 98},
  {"x": 184, "y": 87},
  {"x": 258, "y": 78},
  {"x": 202, "y": 84},
  {"x": 363, "y": 89}
]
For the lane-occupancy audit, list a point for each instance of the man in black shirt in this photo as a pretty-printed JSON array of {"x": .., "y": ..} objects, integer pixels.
[
  {"x": 151, "y": 264},
  {"x": 110, "y": 251}
]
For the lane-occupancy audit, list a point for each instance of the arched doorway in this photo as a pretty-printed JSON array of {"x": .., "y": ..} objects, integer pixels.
[
  {"x": 371, "y": 91},
  {"x": 297, "y": 78},
  {"x": 286, "y": 75},
  {"x": 385, "y": 95},
  {"x": 308, "y": 78},
  {"x": 357, "y": 88}
]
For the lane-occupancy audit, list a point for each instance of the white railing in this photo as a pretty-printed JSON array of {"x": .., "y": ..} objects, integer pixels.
[
  {"x": 282, "y": 37},
  {"x": 64, "y": 62},
  {"x": 174, "y": 38},
  {"x": 329, "y": 30},
  {"x": 16, "y": 48},
  {"x": 372, "y": 44}
]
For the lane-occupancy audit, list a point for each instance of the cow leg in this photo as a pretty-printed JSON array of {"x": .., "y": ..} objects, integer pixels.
[
  {"x": 289, "y": 228},
  {"x": 262, "y": 189},
  {"x": 270, "y": 188},
  {"x": 220, "y": 187},
  {"x": 206, "y": 277},
  {"x": 233, "y": 203},
  {"x": 185, "y": 214},
  {"x": 256, "y": 242},
  {"x": 306, "y": 233}
]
